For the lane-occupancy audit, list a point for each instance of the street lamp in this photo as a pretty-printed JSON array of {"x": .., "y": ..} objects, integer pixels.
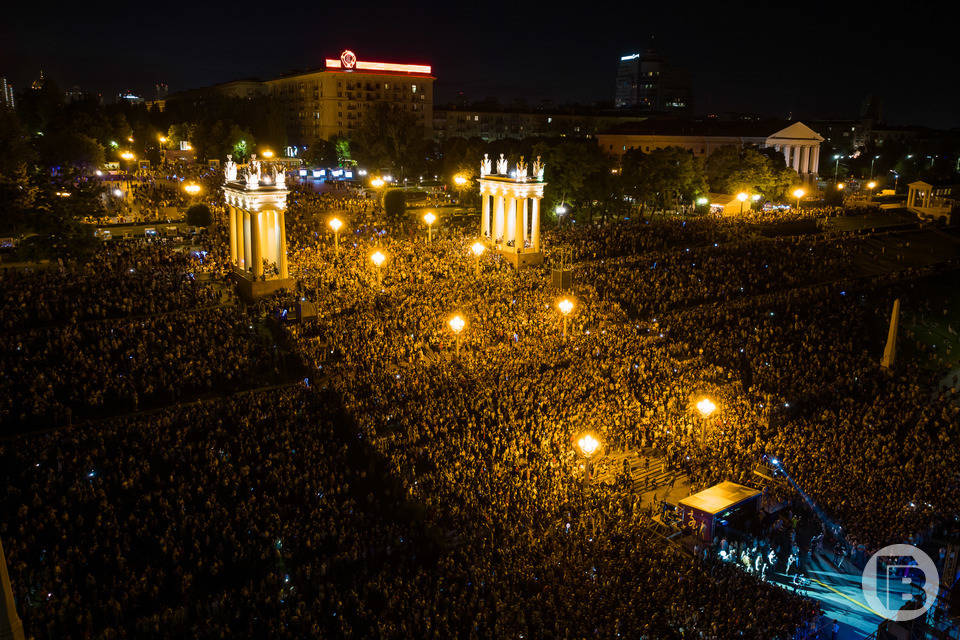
[
  {"x": 588, "y": 445},
  {"x": 706, "y": 407},
  {"x": 267, "y": 153},
  {"x": 871, "y": 186},
  {"x": 874, "y": 159},
  {"x": 836, "y": 165},
  {"x": 742, "y": 197},
  {"x": 460, "y": 180},
  {"x": 478, "y": 249},
  {"x": 798, "y": 193},
  {"x": 191, "y": 188},
  {"x": 565, "y": 307},
  {"x": 378, "y": 258},
  {"x": 335, "y": 224},
  {"x": 429, "y": 218},
  {"x": 840, "y": 186},
  {"x": 457, "y": 323},
  {"x": 702, "y": 201},
  {"x": 560, "y": 210},
  {"x": 376, "y": 183}
]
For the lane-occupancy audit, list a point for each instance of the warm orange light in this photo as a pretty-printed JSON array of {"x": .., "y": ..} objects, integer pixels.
[
  {"x": 459, "y": 180},
  {"x": 477, "y": 248},
  {"x": 335, "y": 224},
  {"x": 378, "y": 258},
  {"x": 871, "y": 185},
  {"x": 840, "y": 186},
  {"x": 799, "y": 193},
  {"x": 565, "y": 306},
  {"x": 457, "y": 323},
  {"x": 381, "y": 66},
  {"x": 268, "y": 154},
  {"x": 588, "y": 444},
  {"x": 742, "y": 196},
  {"x": 126, "y": 155},
  {"x": 192, "y": 189},
  {"x": 429, "y": 218}
]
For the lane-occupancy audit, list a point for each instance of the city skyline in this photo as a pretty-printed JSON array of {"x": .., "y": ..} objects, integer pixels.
[{"x": 483, "y": 54}]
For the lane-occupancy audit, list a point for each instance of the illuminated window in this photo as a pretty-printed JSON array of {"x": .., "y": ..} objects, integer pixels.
[{"x": 413, "y": 88}]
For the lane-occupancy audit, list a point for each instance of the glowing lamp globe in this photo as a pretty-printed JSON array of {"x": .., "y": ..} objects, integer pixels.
[
  {"x": 477, "y": 248},
  {"x": 706, "y": 407},
  {"x": 457, "y": 323},
  {"x": 335, "y": 224},
  {"x": 565, "y": 306},
  {"x": 742, "y": 196},
  {"x": 429, "y": 218},
  {"x": 377, "y": 258},
  {"x": 588, "y": 444},
  {"x": 799, "y": 193}
]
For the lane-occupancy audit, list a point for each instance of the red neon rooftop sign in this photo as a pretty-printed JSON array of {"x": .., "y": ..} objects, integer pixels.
[{"x": 348, "y": 62}]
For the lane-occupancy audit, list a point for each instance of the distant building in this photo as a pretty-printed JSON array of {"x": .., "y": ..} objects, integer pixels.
[
  {"x": 331, "y": 101},
  {"x": 6, "y": 93},
  {"x": 799, "y": 143},
  {"x": 39, "y": 83},
  {"x": 73, "y": 94},
  {"x": 129, "y": 97},
  {"x": 161, "y": 90},
  {"x": 489, "y": 124},
  {"x": 645, "y": 82}
]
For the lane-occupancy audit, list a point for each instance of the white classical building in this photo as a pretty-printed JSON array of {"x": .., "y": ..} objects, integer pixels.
[
  {"x": 510, "y": 209},
  {"x": 799, "y": 143},
  {"x": 256, "y": 201}
]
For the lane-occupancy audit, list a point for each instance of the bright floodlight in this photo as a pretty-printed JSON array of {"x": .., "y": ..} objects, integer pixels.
[
  {"x": 477, "y": 248},
  {"x": 457, "y": 323},
  {"x": 459, "y": 180},
  {"x": 376, "y": 182},
  {"x": 840, "y": 186},
  {"x": 706, "y": 407},
  {"x": 378, "y": 258},
  {"x": 871, "y": 185},
  {"x": 799, "y": 193},
  {"x": 429, "y": 218},
  {"x": 335, "y": 224},
  {"x": 565, "y": 306},
  {"x": 588, "y": 444},
  {"x": 126, "y": 155},
  {"x": 163, "y": 139},
  {"x": 742, "y": 196},
  {"x": 702, "y": 201},
  {"x": 268, "y": 154},
  {"x": 192, "y": 189}
]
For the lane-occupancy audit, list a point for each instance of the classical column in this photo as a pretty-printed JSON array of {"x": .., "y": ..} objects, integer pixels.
[
  {"x": 270, "y": 237},
  {"x": 232, "y": 223},
  {"x": 485, "y": 220},
  {"x": 786, "y": 155},
  {"x": 284, "y": 273},
  {"x": 511, "y": 211},
  {"x": 499, "y": 212},
  {"x": 815, "y": 160},
  {"x": 796, "y": 159},
  {"x": 805, "y": 160},
  {"x": 535, "y": 222},
  {"x": 525, "y": 222},
  {"x": 256, "y": 242},
  {"x": 247, "y": 237},
  {"x": 11, "y": 628}
]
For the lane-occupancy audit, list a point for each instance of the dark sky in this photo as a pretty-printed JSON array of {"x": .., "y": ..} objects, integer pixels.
[{"x": 811, "y": 59}]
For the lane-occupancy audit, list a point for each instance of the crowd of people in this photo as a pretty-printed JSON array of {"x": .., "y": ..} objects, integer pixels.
[{"x": 415, "y": 482}]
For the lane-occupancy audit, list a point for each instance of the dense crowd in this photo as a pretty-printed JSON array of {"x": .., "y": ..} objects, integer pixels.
[{"x": 401, "y": 490}]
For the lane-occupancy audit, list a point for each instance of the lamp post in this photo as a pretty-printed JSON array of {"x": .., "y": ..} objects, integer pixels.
[
  {"x": 560, "y": 210},
  {"x": 457, "y": 323},
  {"x": 192, "y": 188},
  {"x": 429, "y": 218},
  {"x": 565, "y": 306},
  {"x": 477, "y": 248},
  {"x": 589, "y": 445},
  {"x": 378, "y": 258},
  {"x": 742, "y": 197},
  {"x": 705, "y": 407},
  {"x": 460, "y": 180},
  {"x": 836, "y": 165},
  {"x": 872, "y": 160},
  {"x": 798, "y": 193},
  {"x": 335, "y": 224},
  {"x": 870, "y": 187}
]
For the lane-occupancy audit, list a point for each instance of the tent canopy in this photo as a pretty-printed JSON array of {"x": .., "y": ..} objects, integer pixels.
[{"x": 719, "y": 497}]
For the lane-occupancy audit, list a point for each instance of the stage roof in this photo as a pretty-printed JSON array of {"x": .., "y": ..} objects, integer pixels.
[{"x": 719, "y": 497}]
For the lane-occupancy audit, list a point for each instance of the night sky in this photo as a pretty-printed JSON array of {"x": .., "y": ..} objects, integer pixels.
[{"x": 818, "y": 60}]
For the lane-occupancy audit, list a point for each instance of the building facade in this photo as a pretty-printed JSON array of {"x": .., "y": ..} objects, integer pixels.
[
  {"x": 6, "y": 94},
  {"x": 332, "y": 102},
  {"x": 457, "y": 122},
  {"x": 799, "y": 144},
  {"x": 645, "y": 82}
]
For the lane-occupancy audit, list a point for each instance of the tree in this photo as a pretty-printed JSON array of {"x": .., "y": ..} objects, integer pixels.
[
  {"x": 395, "y": 204},
  {"x": 389, "y": 137},
  {"x": 199, "y": 216},
  {"x": 321, "y": 152}
]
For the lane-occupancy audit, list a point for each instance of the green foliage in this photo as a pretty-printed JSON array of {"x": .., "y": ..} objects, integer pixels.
[
  {"x": 322, "y": 152},
  {"x": 663, "y": 177},
  {"x": 730, "y": 170},
  {"x": 199, "y": 215},
  {"x": 390, "y": 138},
  {"x": 342, "y": 146},
  {"x": 395, "y": 204}
]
